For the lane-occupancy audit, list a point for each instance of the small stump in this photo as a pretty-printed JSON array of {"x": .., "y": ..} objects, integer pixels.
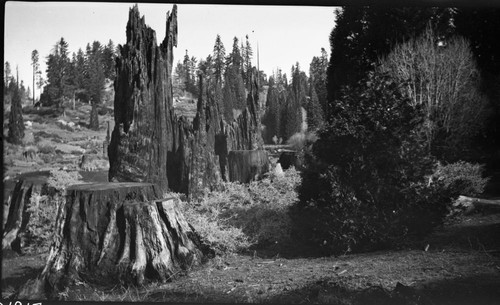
[
  {"x": 116, "y": 231},
  {"x": 247, "y": 165}
]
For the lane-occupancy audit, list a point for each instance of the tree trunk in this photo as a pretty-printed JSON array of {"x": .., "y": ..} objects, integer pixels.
[
  {"x": 116, "y": 231},
  {"x": 247, "y": 165},
  {"x": 150, "y": 143},
  {"x": 16, "y": 123},
  {"x": 94, "y": 118},
  {"x": 18, "y": 217}
]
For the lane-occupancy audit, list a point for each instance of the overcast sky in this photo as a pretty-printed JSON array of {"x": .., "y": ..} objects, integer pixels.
[{"x": 284, "y": 34}]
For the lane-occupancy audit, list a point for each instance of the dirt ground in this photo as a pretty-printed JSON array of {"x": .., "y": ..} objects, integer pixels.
[{"x": 461, "y": 266}]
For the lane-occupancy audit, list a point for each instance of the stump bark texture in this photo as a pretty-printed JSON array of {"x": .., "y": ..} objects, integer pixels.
[
  {"x": 116, "y": 231},
  {"x": 149, "y": 142},
  {"x": 247, "y": 165},
  {"x": 17, "y": 218}
]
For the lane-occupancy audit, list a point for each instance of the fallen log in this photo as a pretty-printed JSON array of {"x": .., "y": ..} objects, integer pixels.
[
  {"x": 472, "y": 204},
  {"x": 116, "y": 231}
]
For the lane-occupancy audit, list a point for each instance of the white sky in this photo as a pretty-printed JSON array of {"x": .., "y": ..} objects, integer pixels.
[{"x": 285, "y": 34}]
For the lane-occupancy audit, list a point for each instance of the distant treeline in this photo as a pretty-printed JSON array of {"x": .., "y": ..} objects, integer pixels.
[{"x": 227, "y": 79}]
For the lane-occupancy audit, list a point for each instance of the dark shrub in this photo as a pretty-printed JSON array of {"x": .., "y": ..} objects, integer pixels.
[{"x": 364, "y": 185}]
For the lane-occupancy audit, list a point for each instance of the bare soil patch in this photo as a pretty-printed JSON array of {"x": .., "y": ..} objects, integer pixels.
[{"x": 461, "y": 266}]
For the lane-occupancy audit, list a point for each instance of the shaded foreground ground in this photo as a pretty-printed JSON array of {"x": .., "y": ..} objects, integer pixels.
[{"x": 460, "y": 266}]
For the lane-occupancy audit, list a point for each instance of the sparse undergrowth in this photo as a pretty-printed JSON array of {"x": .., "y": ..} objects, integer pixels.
[
  {"x": 43, "y": 211},
  {"x": 239, "y": 216},
  {"x": 461, "y": 178}
]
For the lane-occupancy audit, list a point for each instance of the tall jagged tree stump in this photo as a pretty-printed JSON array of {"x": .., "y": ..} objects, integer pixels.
[
  {"x": 116, "y": 231},
  {"x": 17, "y": 218}
]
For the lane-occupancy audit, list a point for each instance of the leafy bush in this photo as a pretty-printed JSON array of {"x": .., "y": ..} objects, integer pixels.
[
  {"x": 461, "y": 178},
  {"x": 205, "y": 217},
  {"x": 61, "y": 179},
  {"x": 300, "y": 140},
  {"x": 238, "y": 216},
  {"x": 456, "y": 110},
  {"x": 47, "y": 149},
  {"x": 47, "y": 158},
  {"x": 39, "y": 234},
  {"x": 364, "y": 186}
]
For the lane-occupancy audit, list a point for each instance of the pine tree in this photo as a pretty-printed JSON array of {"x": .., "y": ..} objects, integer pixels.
[
  {"x": 179, "y": 83},
  {"x": 36, "y": 67},
  {"x": 248, "y": 62},
  {"x": 219, "y": 55},
  {"x": 16, "y": 123},
  {"x": 78, "y": 74},
  {"x": 317, "y": 72},
  {"x": 187, "y": 72},
  {"x": 58, "y": 68},
  {"x": 193, "y": 72},
  {"x": 293, "y": 98},
  {"x": 95, "y": 80},
  {"x": 109, "y": 55},
  {"x": 6, "y": 75},
  {"x": 314, "y": 112},
  {"x": 272, "y": 117},
  {"x": 235, "y": 58}
]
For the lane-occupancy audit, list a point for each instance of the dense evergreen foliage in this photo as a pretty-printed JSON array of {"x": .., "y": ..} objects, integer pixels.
[
  {"x": 364, "y": 184},
  {"x": 402, "y": 85},
  {"x": 82, "y": 76}
]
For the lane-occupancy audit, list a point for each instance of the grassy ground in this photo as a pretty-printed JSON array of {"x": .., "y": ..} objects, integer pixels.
[{"x": 57, "y": 145}]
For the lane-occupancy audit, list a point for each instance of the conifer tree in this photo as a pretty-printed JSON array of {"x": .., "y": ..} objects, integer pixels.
[
  {"x": 248, "y": 62},
  {"x": 16, "y": 123},
  {"x": 235, "y": 58},
  {"x": 6, "y": 75},
  {"x": 314, "y": 111},
  {"x": 187, "y": 72},
  {"x": 317, "y": 72},
  {"x": 36, "y": 67},
  {"x": 219, "y": 55},
  {"x": 58, "y": 69},
  {"x": 95, "y": 80},
  {"x": 108, "y": 54}
]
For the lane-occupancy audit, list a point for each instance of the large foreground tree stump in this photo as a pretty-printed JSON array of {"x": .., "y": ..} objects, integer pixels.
[
  {"x": 17, "y": 218},
  {"x": 116, "y": 231},
  {"x": 247, "y": 165}
]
